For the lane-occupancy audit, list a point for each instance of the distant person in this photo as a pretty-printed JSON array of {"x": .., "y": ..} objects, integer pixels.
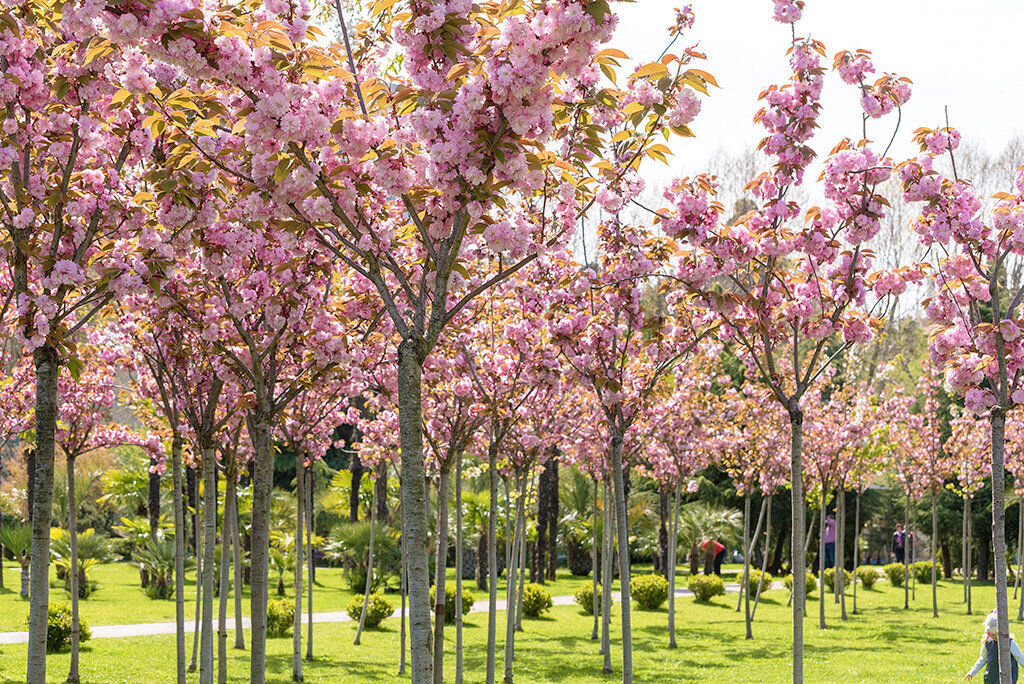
[
  {"x": 717, "y": 553},
  {"x": 829, "y": 537},
  {"x": 898, "y": 543},
  {"x": 989, "y": 658}
]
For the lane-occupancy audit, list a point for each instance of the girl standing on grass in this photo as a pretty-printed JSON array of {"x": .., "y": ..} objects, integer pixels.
[{"x": 989, "y": 658}]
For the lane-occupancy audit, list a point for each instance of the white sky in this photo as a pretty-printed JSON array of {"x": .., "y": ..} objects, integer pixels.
[{"x": 960, "y": 54}]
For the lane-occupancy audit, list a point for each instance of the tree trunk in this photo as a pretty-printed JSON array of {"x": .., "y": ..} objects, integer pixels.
[
  {"x": 310, "y": 482},
  {"x": 593, "y": 562},
  {"x": 935, "y": 535},
  {"x": 153, "y": 499},
  {"x": 356, "y": 468},
  {"x": 47, "y": 367},
  {"x": 492, "y": 555},
  {"x": 764, "y": 556},
  {"x": 538, "y": 565},
  {"x": 209, "y": 553},
  {"x": 906, "y": 553},
  {"x": 970, "y": 537},
  {"x": 553, "y": 517},
  {"x": 522, "y": 568},
  {"x": 984, "y": 553},
  {"x": 30, "y": 480},
  {"x": 179, "y": 554},
  {"x": 606, "y": 580},
  {"x": 511, "y": 574},
  {"x": 1020, "y": 542},
  {"x": 481, "y": 562},
  {"x": 841, "y": 553},
  {"x": 746, "y": 551},
  {"x": 414, "y": 506},
  {"x": 73, "y": 571},
  {"x": 300, "y": 516},
  {"x": 260, "y": 422},
  {"x": 856, "y": 548},
  {"x": 369, "y": 571},
  {"x": 198, "y": 550},
  {"x": 661, "y": 564},
  {"x": 225, "y": 576},
  {"x": 673, "y": 543},
  {"x": 749, "y": 545},
  {"x": 458, "y": 569},
  {"x": 441, "y": 554},
  {"x": 963, "y": 548},
  {"x": 403, "y": 590},
  {"x": 621, "y": 525},
  {"x": 380, "y": 484},
  {"x": 796, "y": 419},
  {"x": 998, "y": 419},
  {"x": 821, "y": 564},
  {"x": 236, "y": 551}
]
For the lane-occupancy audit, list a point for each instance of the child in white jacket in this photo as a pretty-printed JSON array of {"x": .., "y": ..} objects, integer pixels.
[{"x": 989, "y": 658}]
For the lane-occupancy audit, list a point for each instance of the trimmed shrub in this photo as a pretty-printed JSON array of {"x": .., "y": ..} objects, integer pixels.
[
  {"x": 377, "y": 609},
  {"x": 584, "y": 596},
  {"x": 894, "y": 571},
  {"x": 812, "y": 582},
  {"x": 449, "y": 602},
  {"x": 280, "y": 616},
  {"x": 649, "y": 591},
  {"x": 755, "y": 577},
  {"x": 705, "y": 587},
  {"x": 58, "y": 627},
  {"x": 830, "y": 578},
  {"x": 923, "y": 572},
  {"x": 867, "y": 576},
  {"x": 536, "y": 600}
]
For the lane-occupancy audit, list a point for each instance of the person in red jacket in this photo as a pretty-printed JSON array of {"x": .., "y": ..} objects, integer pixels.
[{"x": 717, "y": 553}]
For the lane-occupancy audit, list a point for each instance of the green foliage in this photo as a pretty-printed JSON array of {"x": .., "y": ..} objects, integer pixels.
[
  {"x": 830, "y": 578},
  {"x": 755, "y": 577},
  {"x": 706, "y": 587},
  {"x": 649, "y": 591},
  {"x": 349, "y": 545},
  {"x": 58, "y": 627},
  {"x": 92, "y": 549},
  {"x": 157, "y": 559},
  {"x": 377, "y": 609},
  {"x": 811, "y": 582},
  {"x": 280, "y": 616},
  {"x": 17, "y": 539},
  {"x": 449, "y": 602},
  {"x": 867, "y": 576},
  {"x": 895, "y": 573},
  {"x": 584, "y": 596},
  {"x": 536, "y": 600},
  {"x": 923, "y": 572}
]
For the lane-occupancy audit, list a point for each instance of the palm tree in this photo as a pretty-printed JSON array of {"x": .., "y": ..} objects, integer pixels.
[
  {"x": 18, "y": 540},
  {"x": 699, "y": 520}
]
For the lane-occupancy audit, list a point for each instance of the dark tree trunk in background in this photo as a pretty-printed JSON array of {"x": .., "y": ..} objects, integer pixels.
[
  {"x": 381, "y": 489},
  {"x": 547, "y": 520},
  {"x": 661, "y": 560},
  {"x": 984, "y": 548},
  {"x": 153, "y": 501},
  {"x": 356, "y": 466},
  {"x": 553, "y": 517},
  {"x": 190, "y": 491},
  {"x": 481, "y": 563},
  {"x": 30, "y": 468},
  {"x": 947, "y": 561}
]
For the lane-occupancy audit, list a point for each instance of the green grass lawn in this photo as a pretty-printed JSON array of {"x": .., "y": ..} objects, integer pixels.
[{"x": 884, "y": 643}]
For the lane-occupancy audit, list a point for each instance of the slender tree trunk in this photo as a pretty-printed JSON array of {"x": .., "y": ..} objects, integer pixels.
[
  {"x": 621, "y": 525},
  {"x": 553, "y": 517},
  {"x": 458, "y": 568},
  {"x": 404, "y": 589},
  {"x": 970, "y": 538},
  {"x": 300, "y": 516},
  {"x": 821, "y": 564},
  {"x": 673, "y": 544},
  {"x": 511, "y": 575},
  {"x": 906, "y": 553},
  {"x": 179, "y": 554},
  {"x": 593, "y": 563},
  {"x": 414, "y": 506},
  {"x": 856, "y": 548},
  {"x": 746, "y": 552},
  {"x": 209, "y": 566},
  {"x": 226, "y": 537},
  {"x": 935, "y": 535},
  {"x": 749, "y": 545},
  {"x": 236, "y": 552},
  {"x": 198, "y": 550},
  {"x": 356, "y": 468},
  {"x": 259, "y": 555},
  {"x": 73, "y": 571},
  {"x": 841, "y": 554},
  {"x": 440, "y": 555},
  {"x": 1020, "y": 545},
  {"x": 492, "y": 556},
  {"x": 963, "y": 549},
  {"x": 522, "y": 563},
  {"x": 47, "y": 367},
  {"x": 369, "y": 570},
  {"x": 998, "y": 421},
  {"x": 796, "y": 419},
  {"x": 663, "y": 530},
  {"x": 310, "y": 482},
  {"x": 764, "y": 556},
  {"x": 606, "y": 581}
]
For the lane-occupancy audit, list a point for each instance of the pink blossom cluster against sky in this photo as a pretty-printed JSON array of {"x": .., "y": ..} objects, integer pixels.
[{"x": 960, "y": 55}]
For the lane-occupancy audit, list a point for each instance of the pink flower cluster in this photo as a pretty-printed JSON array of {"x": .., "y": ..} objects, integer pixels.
[{"x": 788, "y": 11}]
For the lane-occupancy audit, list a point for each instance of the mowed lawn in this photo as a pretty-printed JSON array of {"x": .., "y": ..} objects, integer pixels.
[{"x": 883, "y": 643}]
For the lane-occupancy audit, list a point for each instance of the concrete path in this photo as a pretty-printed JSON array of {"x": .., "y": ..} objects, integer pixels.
[{"x": 155, "y": 628}]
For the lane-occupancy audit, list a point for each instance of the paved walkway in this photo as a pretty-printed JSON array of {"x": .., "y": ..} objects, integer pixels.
[{"x": 154, "y": 628}]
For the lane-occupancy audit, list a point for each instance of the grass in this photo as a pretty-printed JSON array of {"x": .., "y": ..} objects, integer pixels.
[{"x": 884, "y": 643}]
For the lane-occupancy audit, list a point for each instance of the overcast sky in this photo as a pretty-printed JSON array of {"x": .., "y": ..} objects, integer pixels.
[{"x": 966, "y": 55}]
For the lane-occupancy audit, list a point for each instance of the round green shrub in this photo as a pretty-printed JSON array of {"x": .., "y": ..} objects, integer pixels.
[
  {"x": 449, "y": 602},
  {"x": 811, "y": 582},
  {"x": 377, "y": 609},
  {"x": 649, "y": 591},
  {"x": 705, "y": 587},
  {"x": 58, "y": 627},
  {"x": 895, "y": 573},
  {"x": 584, "y": 596},
  {"x": 280, "y": 616},
  {"x": 867, "y": 576},
  {"x": 536, "y": 600},
  {"x": 755, "y": 577},
  {"x": 923, "y": 572},
  {"x": 830, "y": 578}
]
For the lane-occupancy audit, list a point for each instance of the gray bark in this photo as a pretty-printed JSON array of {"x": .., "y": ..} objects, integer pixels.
[
  {"x": 226, "y": 536},
  {"x": 750, "y": 544},
  {"x": 439, "y": 567},
  {"x": 300, "y": 513},
  {"x": 621, "y": 526},
  {"x": 606, "y": 582},
  {"x": 673, "y": 544},
  {"x": 403, "y": 590},
  {"x": 198, "y": 550},
  {"x": 236, "y": 553},
  {"x": 841, "y": 553},
  {"x": 522, "y": 565},
  {"x": 492, "y": 556},
  {"x": 46, "y": 368},
  {"x": 458, "y": 571},
  {"x": 935, "y": 536},
  {"x": 259, "y": 556},
  {"x": 796, "y": 419},
  {"x": 821, "y": 565},
  {"x": 73, "y": 571},
  {"x": 511, "y": 575},
  {"x": 310, "y": 560},
  {"x": 856, "y": 549},
  {"x": 369, "y": 569},
  {"x": 998, "y": 421},
  {"x": 209, "y": 554},
  {"x": 764, "y": 556},
  {"x": 593, "y": 562},
  {"x": 179, "y": 555}
]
